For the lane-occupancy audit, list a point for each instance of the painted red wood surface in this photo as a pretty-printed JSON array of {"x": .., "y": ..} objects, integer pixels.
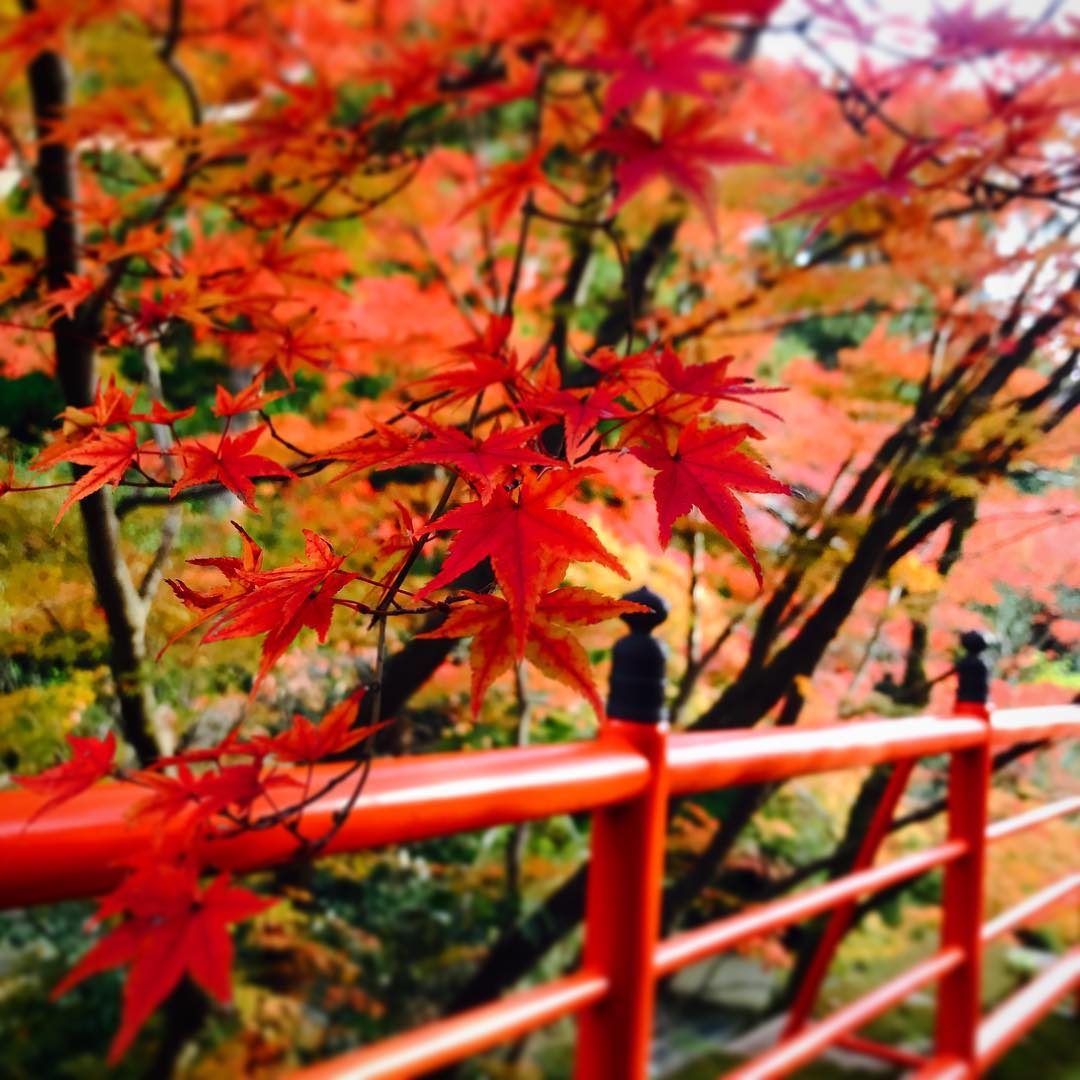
[{"x": 626, "y": 777}]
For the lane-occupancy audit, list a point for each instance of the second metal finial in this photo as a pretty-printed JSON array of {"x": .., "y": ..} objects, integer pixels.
[{"x": 973, "y": 669}]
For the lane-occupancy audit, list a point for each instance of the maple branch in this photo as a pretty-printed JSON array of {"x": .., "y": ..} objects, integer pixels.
[
  {"x": 527, "y": 212},
  {"x": 761, "y": 685},
  {"x": 628, "y": 284},
  {"x": 376, "y": 695},
  {"x": 277, "y": 437},
  {"x": 924, "y": 529},
  {"x": 170, "y": 531},
  {"x": 517, "y": 837},
  {"x": 282, "y": 816},
  {"x": 608, "y": 227},
  {"x": 170, "y": 527},
  {"x": 167, "y": 55},
  {"x": 639, "y": 270},
  {"x": 440, "y": 509},
  {"x": 571, "y": 223},
  {"x": 872, "y": 106},
  {"x": 697, "y": 665}
]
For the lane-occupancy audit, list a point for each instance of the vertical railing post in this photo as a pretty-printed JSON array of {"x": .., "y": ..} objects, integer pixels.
[
  {"x": 622, "y": 911},
  {"x": 960, "y": 992}
]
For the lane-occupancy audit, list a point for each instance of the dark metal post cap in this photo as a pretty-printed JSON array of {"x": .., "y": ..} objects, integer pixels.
[
  {"x": 639, "y": 664},
  {"x": 973, "y": 669},
  {"x": 644, "y": 622}
]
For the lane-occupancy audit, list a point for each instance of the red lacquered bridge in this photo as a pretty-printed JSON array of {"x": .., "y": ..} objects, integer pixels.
[{"x": 626, "y": 778}]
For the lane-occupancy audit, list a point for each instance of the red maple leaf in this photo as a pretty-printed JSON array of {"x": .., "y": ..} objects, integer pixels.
[
  {"x": 91, "y": 760},
  {"x": 382, "y": 446},
  {"x": 491, "y": 340},
  {"x": 703, "y": 471},
  {"x": 304, "y": 741},
  {"x": 710, "y": 380},
  {"x": 685, "y": 153},
  {"x": 528, "y": 541},
  {"x": 281, "y": 602},
  {"x": 158, "y": 414},
  {"x": 231, "y": 464},
  {"x": 228, "y": 787},
  {"x": 233, "y": 569},
  {"x": 848, "y": 186},
  {"x": 463, "y": 381},
  {"x": 487, "y": 362},
  {"x": 250, "y": 399},
  {"x": 480, "y": 461},
  {"x": 80, "y": 287},
  {"x": 674, "y": 68},
  {"x": 171, "y": 927},
  {"x": 580, "y": 412},
  {"x": 550, "y": 644},
  {"x": 506, "y": 187},
  {"x": 109, "y": 454},
  {"x": 667, "y": 394},
  {"x": 111, "y": 405}
]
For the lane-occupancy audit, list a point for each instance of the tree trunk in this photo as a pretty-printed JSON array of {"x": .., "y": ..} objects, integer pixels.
[{"x": 74, "y": 338}]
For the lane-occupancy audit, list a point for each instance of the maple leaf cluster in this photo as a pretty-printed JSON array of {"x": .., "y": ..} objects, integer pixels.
[
  {"x": 219, "y": 221},
  {"x": 274, "y": 308},
  {"x": 165, "y": 922},
  {"x": 107, "y": 456}
]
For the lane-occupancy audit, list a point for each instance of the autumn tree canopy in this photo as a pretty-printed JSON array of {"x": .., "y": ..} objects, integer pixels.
[{"x": 396, "y": 338}]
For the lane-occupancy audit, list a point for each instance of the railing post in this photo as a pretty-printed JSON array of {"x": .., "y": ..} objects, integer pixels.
[
  {"x": 960, "y": 993},
  {"x": 622, "y": 911}
]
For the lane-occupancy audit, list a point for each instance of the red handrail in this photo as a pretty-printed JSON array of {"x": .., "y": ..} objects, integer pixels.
[
  {"x": 446, "y": 1041},
  {"x": 625, "y": 777}
]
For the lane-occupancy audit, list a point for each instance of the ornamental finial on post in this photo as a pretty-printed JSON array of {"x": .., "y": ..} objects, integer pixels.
[
  {"x": 973, "y": 670},
  {"x": 638, "y": 664}
]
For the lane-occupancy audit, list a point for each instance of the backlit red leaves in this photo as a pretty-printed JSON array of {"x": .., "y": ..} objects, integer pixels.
[
  {"x": 550, "y": 644},
  {"x": 480, "y": 461},
  {"x": 674, "y": 68},
  {"x": 506, "y": 188},
  {"x": 383, "y": 446},
  {"x": 580, "y": 412},
  {"x": 171, "y": 927},
  {"x": 685, "y": 153},
  {"x": 703, "y": 471},
  {"x": 848, "y": 186},
  {"x": 91, "y": 760},
  {"x": 80, "y": 288},
  {"x": 485, "y": 362},
  {"x": 228, "y": 787},
  {"x": 250, "y": 399},
  {"x": 668, "y": 394},
  {"x": 529, "y": 541},
  {"x": 230, "y": 463},
  {"x": 279, "y": 603},
  {"x": 305, "y": 742},
  {"x": 109, "y": 455}
]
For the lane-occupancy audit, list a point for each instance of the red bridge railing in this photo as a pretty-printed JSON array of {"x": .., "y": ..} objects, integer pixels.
[{"x": 626, "y": 778}]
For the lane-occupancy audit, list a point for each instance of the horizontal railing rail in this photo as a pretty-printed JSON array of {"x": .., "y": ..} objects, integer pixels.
[
  {"x": 626, "y": 779},
  {"x": 77, "y": 849}
]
